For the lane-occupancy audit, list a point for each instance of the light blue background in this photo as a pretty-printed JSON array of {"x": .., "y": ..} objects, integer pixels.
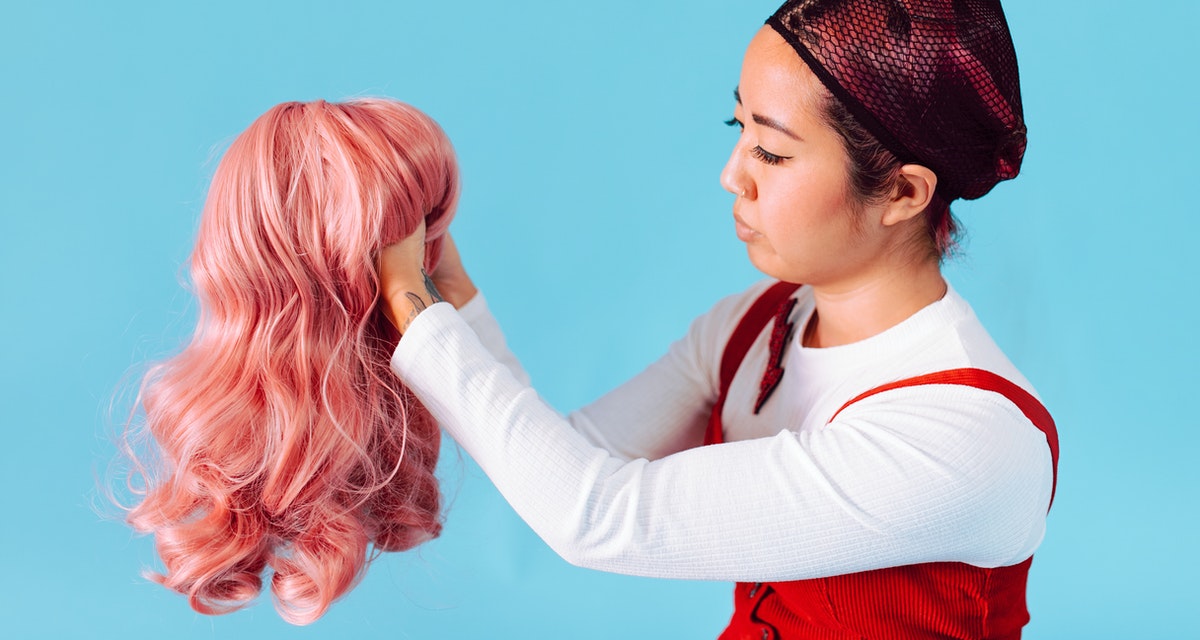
[{"x": 590, "y": 139}]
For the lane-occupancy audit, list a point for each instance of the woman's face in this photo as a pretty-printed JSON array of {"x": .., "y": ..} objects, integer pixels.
[{"x": 794, "y": 209}]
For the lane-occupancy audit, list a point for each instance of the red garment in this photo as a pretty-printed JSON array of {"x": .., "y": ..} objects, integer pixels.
[{"x": 914, "y": 602}]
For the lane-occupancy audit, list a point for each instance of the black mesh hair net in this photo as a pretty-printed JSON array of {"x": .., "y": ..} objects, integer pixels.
[{"x": 934, "y": 80}]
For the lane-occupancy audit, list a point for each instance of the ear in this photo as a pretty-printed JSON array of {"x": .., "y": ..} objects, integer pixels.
[{"x": 914, "y": 192}]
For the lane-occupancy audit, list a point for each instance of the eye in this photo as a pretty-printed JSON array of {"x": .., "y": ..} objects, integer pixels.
[
  {"x": 758, "y": 152},
  {"x": 767, "y": 157}
]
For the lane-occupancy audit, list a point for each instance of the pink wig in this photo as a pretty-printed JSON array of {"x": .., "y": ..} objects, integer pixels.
[{"x": 281, "y": 437}]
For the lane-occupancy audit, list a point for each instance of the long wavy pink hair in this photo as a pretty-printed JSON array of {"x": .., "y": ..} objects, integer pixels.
[{"x": 280, "y": 437}]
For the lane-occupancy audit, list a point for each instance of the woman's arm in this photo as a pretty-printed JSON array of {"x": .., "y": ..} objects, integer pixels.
[{"x": 933, "y": 474}]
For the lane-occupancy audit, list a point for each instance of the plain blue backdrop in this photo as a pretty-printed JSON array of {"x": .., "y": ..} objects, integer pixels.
[{"x": 590, "y": 139}]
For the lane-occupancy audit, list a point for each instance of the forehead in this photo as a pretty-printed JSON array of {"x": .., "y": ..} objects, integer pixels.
[{"x": 774, "y": 78}]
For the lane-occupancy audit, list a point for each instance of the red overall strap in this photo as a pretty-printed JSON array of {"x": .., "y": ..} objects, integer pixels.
[
  {"x": 987, "y": 381},
  {"x": 744, "y": 335}
]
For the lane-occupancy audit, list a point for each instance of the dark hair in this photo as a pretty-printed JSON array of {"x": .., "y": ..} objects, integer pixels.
[{"x": 875, "y": 176}]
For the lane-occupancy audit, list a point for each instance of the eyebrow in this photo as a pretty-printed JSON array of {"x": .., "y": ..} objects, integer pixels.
[{"x": 768, "y": 122}]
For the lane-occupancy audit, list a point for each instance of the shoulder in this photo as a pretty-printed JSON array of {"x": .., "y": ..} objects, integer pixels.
[{"x": 992, "y": 467}]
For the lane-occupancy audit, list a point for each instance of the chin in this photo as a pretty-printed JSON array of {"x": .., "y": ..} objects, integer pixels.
[{"x": 773, "y": 267}]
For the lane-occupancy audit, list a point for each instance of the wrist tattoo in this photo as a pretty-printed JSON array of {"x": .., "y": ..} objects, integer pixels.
[{"x": 418, "y": 303}]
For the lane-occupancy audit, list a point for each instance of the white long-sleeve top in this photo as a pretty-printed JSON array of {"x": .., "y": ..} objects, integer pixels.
[{"x": 921, "y": 474}]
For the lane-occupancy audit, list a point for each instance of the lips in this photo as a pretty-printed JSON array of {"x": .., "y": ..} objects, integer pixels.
[{"x": 744, "y": 232}]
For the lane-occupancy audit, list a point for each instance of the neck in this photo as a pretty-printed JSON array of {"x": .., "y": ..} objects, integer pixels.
[{"x": 853, "y": 311}]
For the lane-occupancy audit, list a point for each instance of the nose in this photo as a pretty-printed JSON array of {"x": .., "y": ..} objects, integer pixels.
[{"x": 734, "y": 178}]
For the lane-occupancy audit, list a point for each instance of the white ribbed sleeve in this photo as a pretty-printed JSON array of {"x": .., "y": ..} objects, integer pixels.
[{"x": 938, "y": 473}]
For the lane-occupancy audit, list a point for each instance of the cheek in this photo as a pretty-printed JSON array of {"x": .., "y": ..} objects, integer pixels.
[
  {"x": 810, "y": 215},
  {"x": 808, "y": 204}
]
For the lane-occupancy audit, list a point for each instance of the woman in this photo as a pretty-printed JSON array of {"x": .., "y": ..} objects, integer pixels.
[{"x": 884, "y": 470}]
